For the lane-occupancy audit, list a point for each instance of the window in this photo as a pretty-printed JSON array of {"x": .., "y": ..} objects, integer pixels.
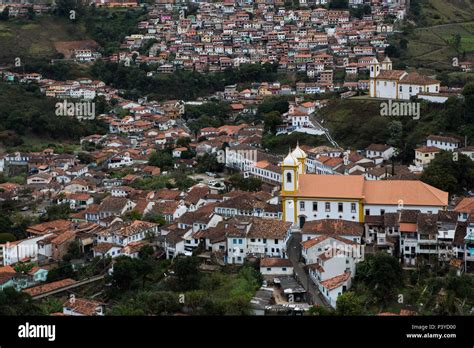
[
  {"x": 328, "y": 206},
  {"x": 235, "y": 241},
  {"x": 264, "y": 240},
  {"x": 315, "y": 206},
  {"x": 269, "y": 269},
  {"x": 353, "y": 207},
  {"x": 273, "y": 250},
  {"x": 367, "y": 211},
  {"x": 382, "y": 211},
  {"x": 283, "y": 268},
  {"x": 276, "y": 241},
  {"x": 288, "y": 177},
  {"x": 252, "y": 240},
  {"x": 240, "y": 241},
  {"x": 340, "y": 207},
  {"x": 301, "y": 205}
]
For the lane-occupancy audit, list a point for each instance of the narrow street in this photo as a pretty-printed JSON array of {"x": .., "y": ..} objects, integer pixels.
[{"x": 294, "y": 253}]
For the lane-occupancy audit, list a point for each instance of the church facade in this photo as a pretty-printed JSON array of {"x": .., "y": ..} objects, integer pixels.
[
  {"x": 308, "y": 197},
  {"x": 398, "y": 84}
]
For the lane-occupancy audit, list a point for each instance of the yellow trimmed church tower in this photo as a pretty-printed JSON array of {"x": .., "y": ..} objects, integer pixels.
[{"x": 292, "y": 166}]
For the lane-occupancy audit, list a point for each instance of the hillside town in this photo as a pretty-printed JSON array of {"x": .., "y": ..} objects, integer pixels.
[{"x": 157, "y": 182}]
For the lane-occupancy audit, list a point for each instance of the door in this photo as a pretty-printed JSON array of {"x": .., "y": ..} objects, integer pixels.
[{"x": 302, "y": 221}]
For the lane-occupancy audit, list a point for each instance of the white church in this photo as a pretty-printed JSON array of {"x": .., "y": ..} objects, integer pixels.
[
  {"x": 307, "y": 197},
  {"x": 398, "y": 84}
]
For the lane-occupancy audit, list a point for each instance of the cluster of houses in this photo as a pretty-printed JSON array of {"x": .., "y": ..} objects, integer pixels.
[
  {"x": 342, "y": 188},
  {"x": 437, "y": 143},
  {"x": 345, "y": 203},
  {"x": 230, "y": 33},
  {"x": 340, "y": 217},
  {"x": 22, "y": 8}
]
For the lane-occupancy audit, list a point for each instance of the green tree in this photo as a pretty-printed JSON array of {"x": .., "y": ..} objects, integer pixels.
[
  {"x": 7, "y": 237},
  {"x": 451, "y": 172},
  {"x": 64, "y": 8},
  {"x": 395, "y": 129},
  {"x": 271, "y": 121},
  {"x": 250, "y": 184},
  {"x": 31, "y": 13},
  {"x": 51, "y": 305},
  {"x": 339, "y": 4},
  {"x": 132, "y": 215},
  {"x": 468, "y": 94},
  {"x": 125, "y": 274},
  {"x": 403, "y": 44},
  {"x": 23, "y": 267},
  {"x": 73, "y": 251},
  {"x": 320, "y": 310},
  {"x": 162, "y": 159},
  {"x": 382, "y": 274},
  {"x": 183, "y": 141},
  {"x": 5, "y": 15},
  {"x": 126, "y": 309},
  {"x": 163, "y": 303},
  {"x": 146, "y": 252},
  {"x": 208, "y": 163},
  {"x": 85, "y": 157},
  {"x": 56, "y": 212},
  {"x": 16, "y": 303},
  {"x": 456, "y": 40},
  {"x": 269, "y": 104},
  {"x": 155, "y": 218},
  {"x": 349, "y": 303},
  {"x": 187, "y": 273},
  {"x": 63, "y": 270}
]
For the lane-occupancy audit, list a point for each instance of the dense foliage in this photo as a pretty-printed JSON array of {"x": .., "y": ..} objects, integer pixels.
[
  {"x": 186, "y": 85},
  {"x": 183, "y": 288},
  {"x": 24, "y": 110},
  {"x": 450, "y": 172}
]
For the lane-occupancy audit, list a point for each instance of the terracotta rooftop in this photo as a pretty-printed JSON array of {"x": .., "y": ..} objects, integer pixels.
[
  {"x": 336, "y": 281},
  {"x": 275, "y": 262},
  {"x": 42, "y": 289}
]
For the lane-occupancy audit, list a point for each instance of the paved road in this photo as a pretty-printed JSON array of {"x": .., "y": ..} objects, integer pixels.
[{"x": 294, "y": 254}]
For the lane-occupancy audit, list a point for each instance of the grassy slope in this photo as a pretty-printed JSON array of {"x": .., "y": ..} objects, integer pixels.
[
  {"x": 355, "y": 123},
  {"x": 448, "y": 11},
  {"x": 32, "y": 40},
  {"x": 430, "y": 46}
]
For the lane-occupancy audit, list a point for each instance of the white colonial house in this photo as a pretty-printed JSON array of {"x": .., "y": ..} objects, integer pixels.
[
  {"x": 380, "y": 150},
  {"x": 256, "y": 237},
  {"x": 443, "y": 142},
  {"x": 331, "y": 263}
]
